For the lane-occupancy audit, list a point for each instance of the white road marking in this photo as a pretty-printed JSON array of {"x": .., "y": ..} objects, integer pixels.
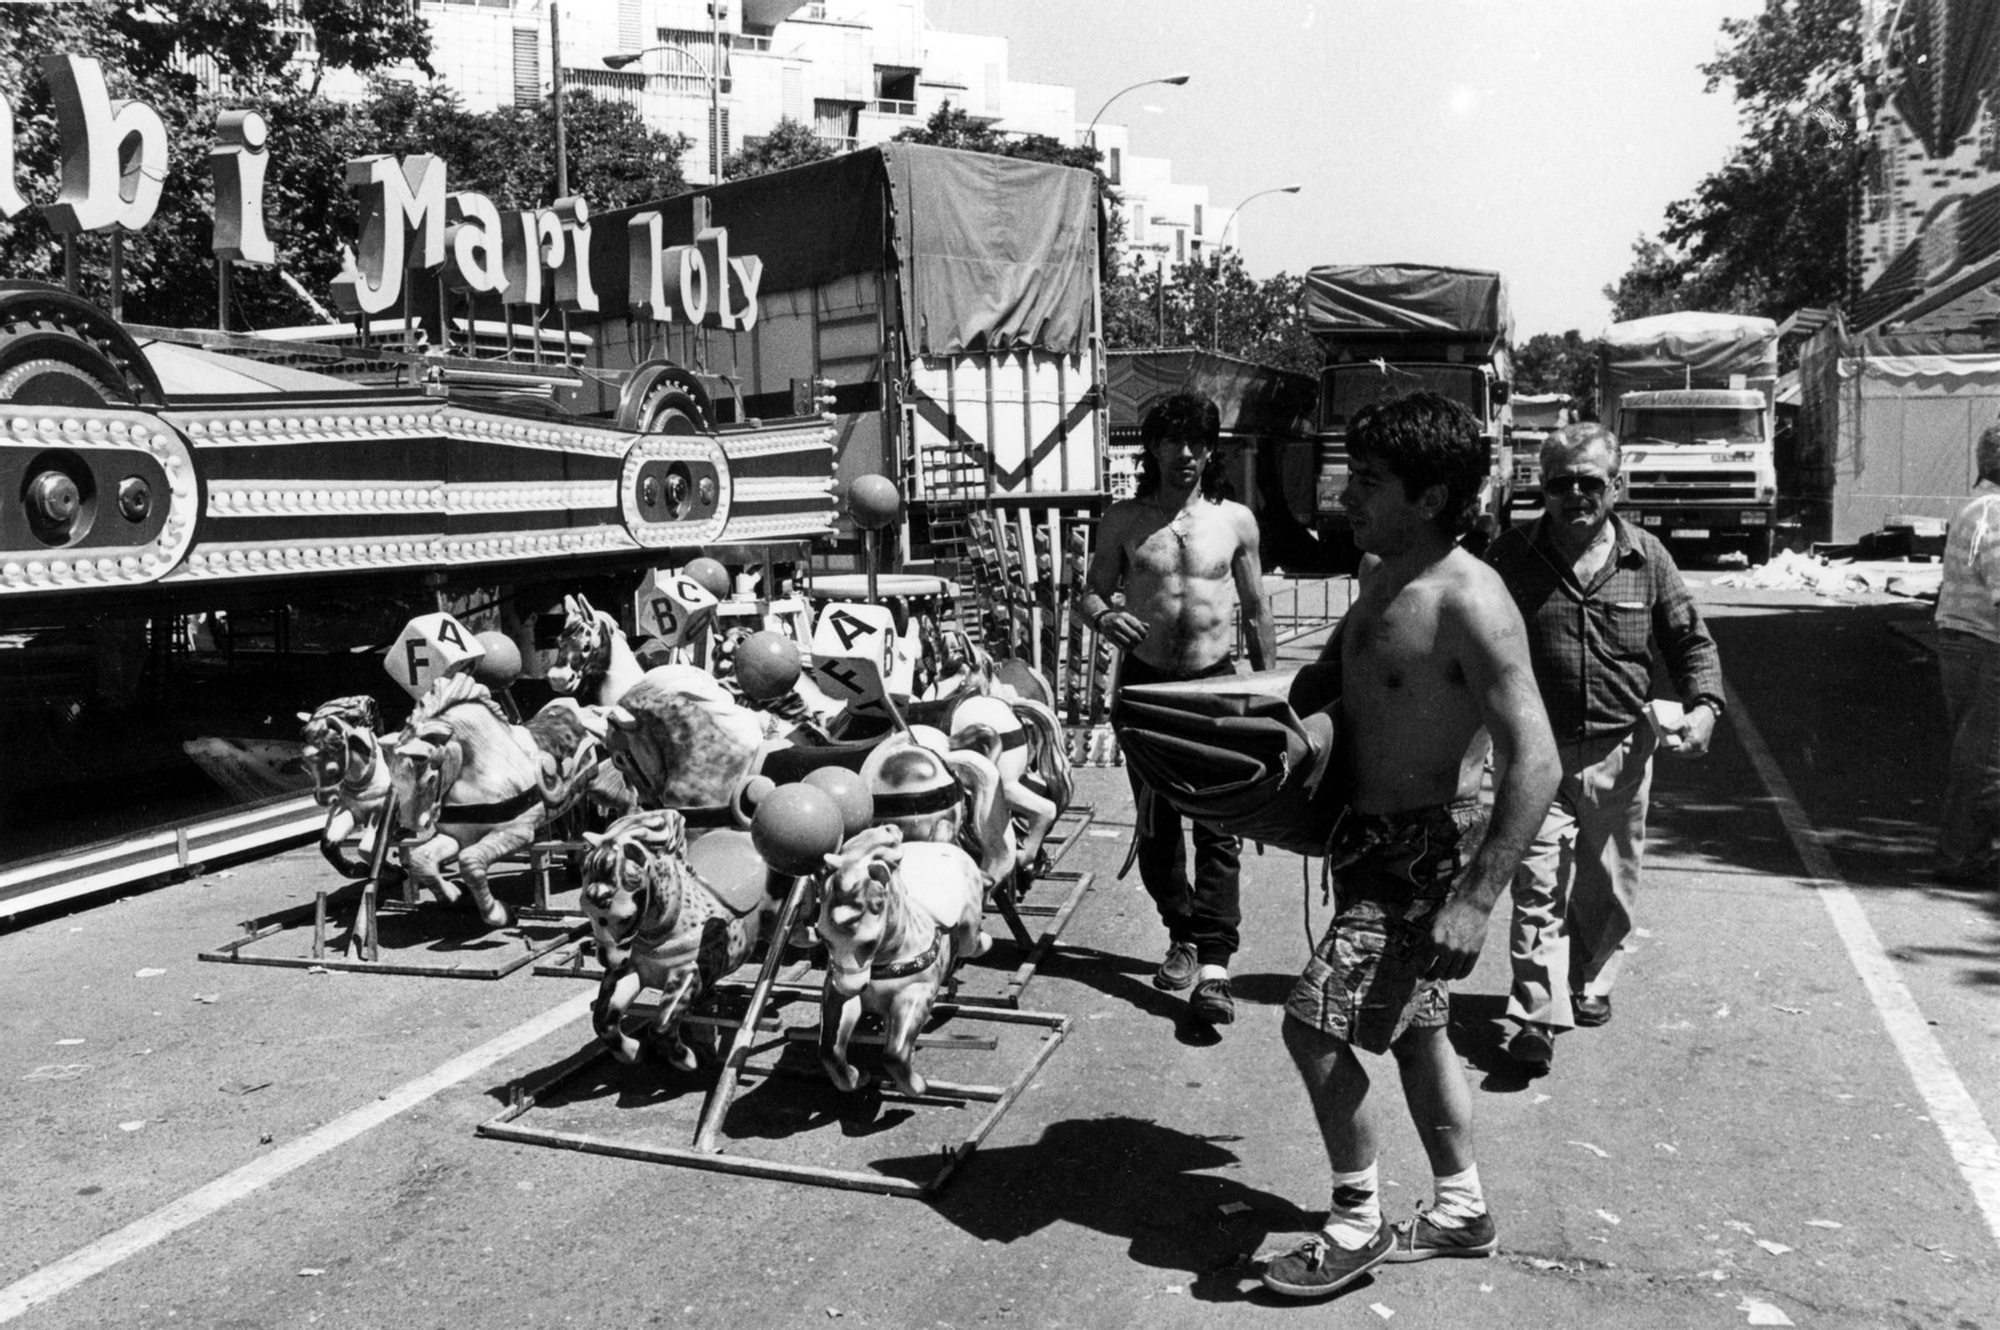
[
  {"x": 65, "y": 1274},
  {"x": 1955, "y": 1111}
]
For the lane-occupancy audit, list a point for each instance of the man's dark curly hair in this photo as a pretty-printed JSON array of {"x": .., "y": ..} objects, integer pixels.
[
  {"x": 1425, "y": 438},
  {"x": 1189, "y": 416}
]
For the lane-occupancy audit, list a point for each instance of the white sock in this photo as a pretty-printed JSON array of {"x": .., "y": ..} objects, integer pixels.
[
  {"x": 1457, "y": 1200},
  {"x": 1357, "y": 1209},
  {"x": 1211, "y": 972}
]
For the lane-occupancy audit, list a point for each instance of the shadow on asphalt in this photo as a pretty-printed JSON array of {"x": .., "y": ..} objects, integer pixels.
[
  {"x": 1129, "y": 980},
  {"x": 1128, "y": 1178}
]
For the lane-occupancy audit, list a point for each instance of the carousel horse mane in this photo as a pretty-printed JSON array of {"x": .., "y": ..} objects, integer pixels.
[{"x": 450, "y": 691}]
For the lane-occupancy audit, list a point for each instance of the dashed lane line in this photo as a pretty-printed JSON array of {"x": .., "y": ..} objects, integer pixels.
[
  {"x": 65, "y": 1274},
  {"x": 1952, "y": 1107}
]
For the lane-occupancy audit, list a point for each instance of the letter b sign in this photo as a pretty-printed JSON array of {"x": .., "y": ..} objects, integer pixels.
[
  {"x": 672, "y": 607},
  {"x": 430, "y": 647}
]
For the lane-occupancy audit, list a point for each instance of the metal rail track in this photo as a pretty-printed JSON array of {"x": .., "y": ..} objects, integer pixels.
[{"x": 177, "y": 849}]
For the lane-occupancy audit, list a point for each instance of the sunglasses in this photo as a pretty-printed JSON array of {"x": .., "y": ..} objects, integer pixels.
[{"x": 1565, "y": 485}]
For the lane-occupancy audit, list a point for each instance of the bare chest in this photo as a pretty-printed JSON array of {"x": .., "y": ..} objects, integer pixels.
[
  {"x": 1186, "y": 547},
  {"x": 1398, "y": 648}
]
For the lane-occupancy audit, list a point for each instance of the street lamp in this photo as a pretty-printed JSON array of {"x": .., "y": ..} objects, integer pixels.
[
  {"x": 1221, "y": 244},
  {"x": 708, "y": 71},
  {"x": 1090, "y": 135}
]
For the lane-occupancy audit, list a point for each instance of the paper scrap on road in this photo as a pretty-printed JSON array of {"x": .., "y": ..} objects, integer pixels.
[
  {"x": 1739, "y": 1226},
  {"x": 1762, "y": 1313},
  {"x": 1642, "y": 932},
  {"x": 1823, "y": 1223},
  {"x": 65, "y": 1043},
  {"x": 149, "y": 972},
  {"x": 1599, "y": 1151},
  {"x": 57, "y": 1071},
  {"x": 1486, "y": 1288},
  {"x": 1608, "y": 1217},
  {"x": 208, "y": 999},
  {"x": 1541, "y": 1099},
  {"x": 133, "y": 1125},
  {"x": 1722, "y": 1011},
  {"x": 1541, "y": 1264},
  {"x": 1670, "y": 1149},
  {"x": 1235, "y": 1207},
  {"x": 1775, "y": 1248},
  {"x": 311, "y": 1272},
  {"x": 1789, "y": 1011},
  {"x": 1384, "y": 1312}
]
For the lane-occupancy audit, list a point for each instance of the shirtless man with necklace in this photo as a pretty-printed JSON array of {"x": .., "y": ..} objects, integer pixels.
[{"x": 1186, "y": 560}]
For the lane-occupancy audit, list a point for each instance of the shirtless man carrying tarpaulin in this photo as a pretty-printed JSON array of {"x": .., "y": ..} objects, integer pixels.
[
  {"x": 1433, "y": 659},
  {"x": 1177, "y": 549}
]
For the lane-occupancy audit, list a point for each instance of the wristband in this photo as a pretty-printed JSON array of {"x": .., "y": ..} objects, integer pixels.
[{"x": 1097, "y": 620}]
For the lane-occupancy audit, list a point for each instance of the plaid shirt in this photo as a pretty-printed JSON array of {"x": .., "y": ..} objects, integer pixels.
[{"x": 1591, "y": 645}]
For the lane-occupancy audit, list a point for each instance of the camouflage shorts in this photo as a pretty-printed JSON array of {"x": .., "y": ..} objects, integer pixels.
[{"x": 1391, "y": 872}]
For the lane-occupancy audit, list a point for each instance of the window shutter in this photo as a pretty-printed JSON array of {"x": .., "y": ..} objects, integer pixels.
[{"x": 527, "y": 66}]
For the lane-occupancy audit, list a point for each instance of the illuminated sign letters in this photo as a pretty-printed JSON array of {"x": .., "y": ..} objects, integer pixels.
[
  {"x": 238, "y": 161},
  {"x": 114, "y": 154}
]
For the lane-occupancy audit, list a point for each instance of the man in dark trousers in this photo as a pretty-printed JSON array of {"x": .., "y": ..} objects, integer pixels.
[
  {"x": 1186, "y": 559},
  {"x": 1597, "y": 594}
]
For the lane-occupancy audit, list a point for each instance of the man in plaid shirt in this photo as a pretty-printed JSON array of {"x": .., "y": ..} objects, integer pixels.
[
  {"x": 1968, "y": 620},
  {"x": 1596, "y": 595}
]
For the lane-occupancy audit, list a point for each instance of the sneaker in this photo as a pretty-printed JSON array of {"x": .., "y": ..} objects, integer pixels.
[
  {"x": 1419, "y": 1239},
  {"x": 1319, "y": 1266},
  {"x": 1212, "y": 1003},
  {"x": 1591, "y": 1010},
  {"x": 1177, "y": 971},
  {"x": 1533, "y": 1048}
]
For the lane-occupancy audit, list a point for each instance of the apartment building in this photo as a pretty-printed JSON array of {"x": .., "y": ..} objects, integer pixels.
[{"x": 858, "y": 71}]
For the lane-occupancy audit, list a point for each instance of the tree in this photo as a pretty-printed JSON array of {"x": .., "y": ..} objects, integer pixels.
[
  {"x": 1222, "y": 309},
  {"x": 1551, "y": 363},
  {"x": 790, "y": 143},
  {"x": 1767, "y": 233},
  {"x": 952, "y": 127}
]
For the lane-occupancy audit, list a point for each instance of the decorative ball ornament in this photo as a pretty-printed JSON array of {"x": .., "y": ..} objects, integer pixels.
[
  {"x": 796, "y": 827},
  {"x": 712, "y": 576},
  {"x": 874, "y": 501},
  {"x": 850, "y": 792},
  {"x": 767, "y": 665},
  {"x": 750, "y": 792},
  {"x": 501, "y": 665}
]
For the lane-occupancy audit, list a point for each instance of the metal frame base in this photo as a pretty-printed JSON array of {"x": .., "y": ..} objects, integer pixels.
[{"x": 508, "y": 1126}]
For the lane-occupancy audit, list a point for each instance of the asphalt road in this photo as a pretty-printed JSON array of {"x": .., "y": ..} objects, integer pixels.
[{"x": 208, "y": 1145}]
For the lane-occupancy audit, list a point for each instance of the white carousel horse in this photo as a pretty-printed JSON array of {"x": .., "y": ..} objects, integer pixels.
[
  {"x": 594, "y": 663},
  {"x": 931, "y": 789},
  {"x": 895, "y": 918},
  {"x": 350, "y": 776},
  {"x": 470, "y": 784},
  {"x": 667, "y": 916}
]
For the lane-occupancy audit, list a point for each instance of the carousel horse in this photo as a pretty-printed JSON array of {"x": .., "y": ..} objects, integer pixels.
[
  {"x": 668, "y": 915},
  {"x": 1034, "y": 812},
  {"x": 681, "y": 740},
  {"x": 470, "y": 784},
  {"x": 594, "y": 663},
  {"x": 931, "y": 789},
  {"x": 895, "y": 917},
  {"x": 350, "y": 776}
]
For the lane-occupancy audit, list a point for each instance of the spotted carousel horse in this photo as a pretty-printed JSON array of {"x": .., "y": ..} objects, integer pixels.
[
  {"x": 668, "y": 915},
  {"x": 896, "y": 917},
  {"x": 470, "y": 784},
  {"x": 350, "y": 776}
]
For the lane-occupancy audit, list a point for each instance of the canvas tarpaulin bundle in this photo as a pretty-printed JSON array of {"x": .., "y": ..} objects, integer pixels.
[{"x": 1231, "y": 752}]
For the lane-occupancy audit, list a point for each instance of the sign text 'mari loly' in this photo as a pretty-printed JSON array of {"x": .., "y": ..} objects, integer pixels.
[{"x": 114, "y": 161}]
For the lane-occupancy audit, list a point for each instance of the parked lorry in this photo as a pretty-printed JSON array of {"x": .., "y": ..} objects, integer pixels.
[
  {"x": 1691, "y": 397},
  {"x": 1389, "y": 329},
  {"x": 1536, "y": 416}
]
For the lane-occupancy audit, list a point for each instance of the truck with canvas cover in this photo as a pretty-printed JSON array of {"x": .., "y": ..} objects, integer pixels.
[
  {"x": 942, "y": 306},
  {"x": 1691, "y": 397},
  {"x": 1536, "y": 416},
  {"x": 1389, "y": 329}
]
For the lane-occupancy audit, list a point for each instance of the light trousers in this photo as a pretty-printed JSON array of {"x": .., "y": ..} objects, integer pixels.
[
  {"x": 1576, "y": 887},
  {"x": 1969, "y": 673}
]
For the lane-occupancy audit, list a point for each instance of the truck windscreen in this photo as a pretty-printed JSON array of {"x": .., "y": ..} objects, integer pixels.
[
  {"x": 1347, "y": 388},
  {"x": 1710, "y": 425}
]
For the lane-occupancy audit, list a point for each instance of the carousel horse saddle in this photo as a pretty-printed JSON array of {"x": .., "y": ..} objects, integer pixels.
[
  {"x": 795, "y": 761},
  {"x": 1231, "y": 752}
]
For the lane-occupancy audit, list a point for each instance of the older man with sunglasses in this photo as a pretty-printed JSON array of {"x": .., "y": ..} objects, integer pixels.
[{"x": 1596, "y": 595}]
